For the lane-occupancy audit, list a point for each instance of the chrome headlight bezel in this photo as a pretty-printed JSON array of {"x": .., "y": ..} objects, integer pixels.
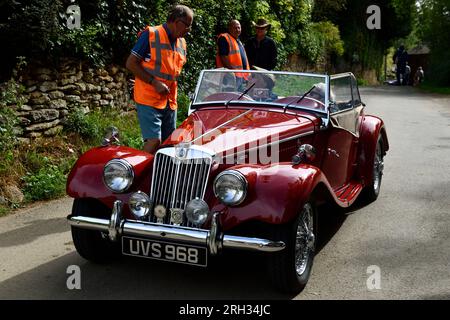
[
  {"x": 240, "y": 178},
  {"x": 129, "y": 174}
]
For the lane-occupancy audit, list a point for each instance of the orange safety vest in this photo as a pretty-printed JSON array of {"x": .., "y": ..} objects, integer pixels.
[
  {"x": 234, "y": 56},
  {"x": 165, "y": 65}
]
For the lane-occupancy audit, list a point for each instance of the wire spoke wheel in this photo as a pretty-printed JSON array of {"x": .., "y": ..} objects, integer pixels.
[
  {"x": 378, "y": 166},
  {"x": 305, "y": 239},
  {"x": 290, "y": 268}
]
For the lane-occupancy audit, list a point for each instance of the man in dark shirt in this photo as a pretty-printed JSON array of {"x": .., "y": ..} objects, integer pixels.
[
  {"x": 400, "y": 58},
  {"x": 261, "y": 50}
]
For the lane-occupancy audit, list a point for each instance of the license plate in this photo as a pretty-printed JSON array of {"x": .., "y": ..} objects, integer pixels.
[{"x": 160, "y": 250}]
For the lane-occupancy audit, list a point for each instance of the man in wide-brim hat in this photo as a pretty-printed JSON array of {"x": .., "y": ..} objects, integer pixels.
[
  {"x": 262, "y": 24},
  {"x": 261, "y": 50}
]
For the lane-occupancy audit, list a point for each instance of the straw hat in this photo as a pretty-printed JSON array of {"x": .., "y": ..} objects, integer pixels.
[{"x": 261, "y": 23}]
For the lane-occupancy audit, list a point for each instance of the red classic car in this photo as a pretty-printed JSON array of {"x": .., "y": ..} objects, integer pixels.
[{"x": 258, "y": 153}]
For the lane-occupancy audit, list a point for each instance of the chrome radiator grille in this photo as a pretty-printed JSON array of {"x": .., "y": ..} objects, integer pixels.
[{"x": 176, "y": 180}]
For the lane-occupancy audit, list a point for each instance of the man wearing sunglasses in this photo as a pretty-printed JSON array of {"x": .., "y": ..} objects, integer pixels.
[{"x": 156, "y": 61}]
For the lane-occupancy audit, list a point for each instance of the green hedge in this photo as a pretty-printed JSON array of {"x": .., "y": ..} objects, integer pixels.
[{"x": 109, "y": 29}]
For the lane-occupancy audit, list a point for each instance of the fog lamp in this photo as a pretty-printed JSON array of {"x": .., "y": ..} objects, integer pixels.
[
  {"x": 139, "y": 204},
  {"x": 197, "y": 211}
]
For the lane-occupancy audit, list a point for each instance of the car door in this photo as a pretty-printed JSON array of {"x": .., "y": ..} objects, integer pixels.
[{"x": 343, "y": 134}]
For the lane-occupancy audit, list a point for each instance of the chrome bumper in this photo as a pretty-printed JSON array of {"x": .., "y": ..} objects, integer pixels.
[{"x": 213, "y": 239}]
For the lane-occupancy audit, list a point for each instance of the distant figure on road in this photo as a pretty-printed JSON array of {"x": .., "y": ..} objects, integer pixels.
[
  {"x": 407, "y": 74},
  {"x": 400, "y": 58},
  {"x": 418, "y": 77}
]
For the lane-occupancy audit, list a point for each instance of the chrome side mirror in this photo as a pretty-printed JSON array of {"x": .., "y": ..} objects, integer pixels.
[
  {"x": 111, "y": 136},
  {"x": 305, "y": 153}
]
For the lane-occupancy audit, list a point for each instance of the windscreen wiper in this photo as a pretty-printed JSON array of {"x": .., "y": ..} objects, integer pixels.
[
  {"x": 301, "y": 98},
  {"x": 242, "y": 94}
]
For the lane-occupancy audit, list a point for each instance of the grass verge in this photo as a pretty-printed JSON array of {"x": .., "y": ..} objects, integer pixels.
[
  {"x": 39, "y": 169},
  {"x": 434, "y": 89}
]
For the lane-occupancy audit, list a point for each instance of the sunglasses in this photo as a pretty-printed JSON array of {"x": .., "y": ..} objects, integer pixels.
[{"x": 187, "y": 26}]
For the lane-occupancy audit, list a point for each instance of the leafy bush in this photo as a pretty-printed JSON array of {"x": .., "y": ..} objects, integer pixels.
[
  {"x": 10, "y": 99},
  {"x": 8, "y": 121},
  {"x": 48, "y": 183},
  {"x": 93, "y": 126},
  {"x": 362, "y": 82},
  {"x": 3, "y": 210},
  {"x": 183, "y": 107},
  {"x": 83, "y": 124}
]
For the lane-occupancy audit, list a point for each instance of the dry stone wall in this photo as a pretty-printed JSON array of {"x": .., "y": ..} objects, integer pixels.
[{"x": 51, "y": 93}]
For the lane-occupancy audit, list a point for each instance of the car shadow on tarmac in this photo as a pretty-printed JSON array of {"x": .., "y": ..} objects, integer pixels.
[{"x": 234, "y": 275}]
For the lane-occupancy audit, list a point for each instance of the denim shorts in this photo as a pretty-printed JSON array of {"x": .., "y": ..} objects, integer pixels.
[{"x": 156, "y": 123}]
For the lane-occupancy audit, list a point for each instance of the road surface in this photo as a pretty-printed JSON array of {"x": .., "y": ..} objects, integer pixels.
[{"x": 404, "y": 234}]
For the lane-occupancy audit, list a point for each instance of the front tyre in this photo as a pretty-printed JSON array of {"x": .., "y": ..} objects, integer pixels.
[
  {"x": 91, "y": 244},
  {"x": 290, "y": 268}
]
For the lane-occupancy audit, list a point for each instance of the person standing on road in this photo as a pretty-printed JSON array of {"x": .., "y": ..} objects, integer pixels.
[
  {"x": 407, "y": 74},
  {"x": 156, "y": 62},
  {"x": 261, "y": 50},
  {"x": 418, "y": 76},
  {"x": 231, "y": 53},
  {"x": 400, "y": 58}
]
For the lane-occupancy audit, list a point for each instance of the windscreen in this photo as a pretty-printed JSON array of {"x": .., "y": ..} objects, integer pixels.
[{"x": 300, "y": 90}]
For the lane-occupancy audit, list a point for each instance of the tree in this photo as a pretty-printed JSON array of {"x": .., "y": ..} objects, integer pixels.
[
  {"x": 433, "y": 26},
  {"x": 363, "y": 47}
]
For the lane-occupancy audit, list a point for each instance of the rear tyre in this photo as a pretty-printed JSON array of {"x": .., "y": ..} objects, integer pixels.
[
  {"x": 373, "y": 189},
  {"x": 90, "y": 244},
  {"x": 290, "y": 268}
]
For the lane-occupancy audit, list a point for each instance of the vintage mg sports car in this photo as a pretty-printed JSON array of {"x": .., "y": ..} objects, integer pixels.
[{"x": 247, "y": 170}]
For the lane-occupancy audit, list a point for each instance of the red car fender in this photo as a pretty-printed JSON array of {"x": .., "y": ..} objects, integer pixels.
[
  {"x": 276, "y": 193},
  {"x": 85, "y": 179},
  {"x": 371, "y": 128}
]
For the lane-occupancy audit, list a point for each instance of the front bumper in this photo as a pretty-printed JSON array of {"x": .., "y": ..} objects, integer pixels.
[{"x": 213, "y": 238}]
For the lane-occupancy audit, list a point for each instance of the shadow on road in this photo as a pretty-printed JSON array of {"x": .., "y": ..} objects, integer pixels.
[
  {"x": 331, "y": 219},
  {"x": 233, "y": 276},
  {"x": 33, "y": 230}
]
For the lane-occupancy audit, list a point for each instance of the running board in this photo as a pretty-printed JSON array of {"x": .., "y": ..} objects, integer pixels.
[{"x": 348, "y": 193}]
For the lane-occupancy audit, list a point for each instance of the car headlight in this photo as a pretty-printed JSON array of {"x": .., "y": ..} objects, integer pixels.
[
  {"x": 118, "y": 175},
  {"x": 230, "y": 187},
  {"x": 139, "y": 204}
]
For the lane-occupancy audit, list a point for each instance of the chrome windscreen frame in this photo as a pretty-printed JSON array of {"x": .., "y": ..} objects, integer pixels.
[{"x": 324, "y": 115}]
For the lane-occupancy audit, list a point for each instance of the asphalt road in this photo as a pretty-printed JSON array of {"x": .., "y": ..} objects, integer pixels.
[{"x": 404, "y": 234}]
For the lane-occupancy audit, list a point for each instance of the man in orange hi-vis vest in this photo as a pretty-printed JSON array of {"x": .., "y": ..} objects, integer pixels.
[
  {"x": 156, "y": 61},
  {"x": 231, "y": 53}
]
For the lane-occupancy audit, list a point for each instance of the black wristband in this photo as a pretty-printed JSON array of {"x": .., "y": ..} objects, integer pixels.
[{"x": 151, "y": 79}]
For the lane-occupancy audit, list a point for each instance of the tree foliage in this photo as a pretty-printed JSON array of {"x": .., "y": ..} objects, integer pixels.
[
  {"x": 433, "y": 27},
  {"x": 363, "y": 47},
  {"x": 312, "y": 29}
]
